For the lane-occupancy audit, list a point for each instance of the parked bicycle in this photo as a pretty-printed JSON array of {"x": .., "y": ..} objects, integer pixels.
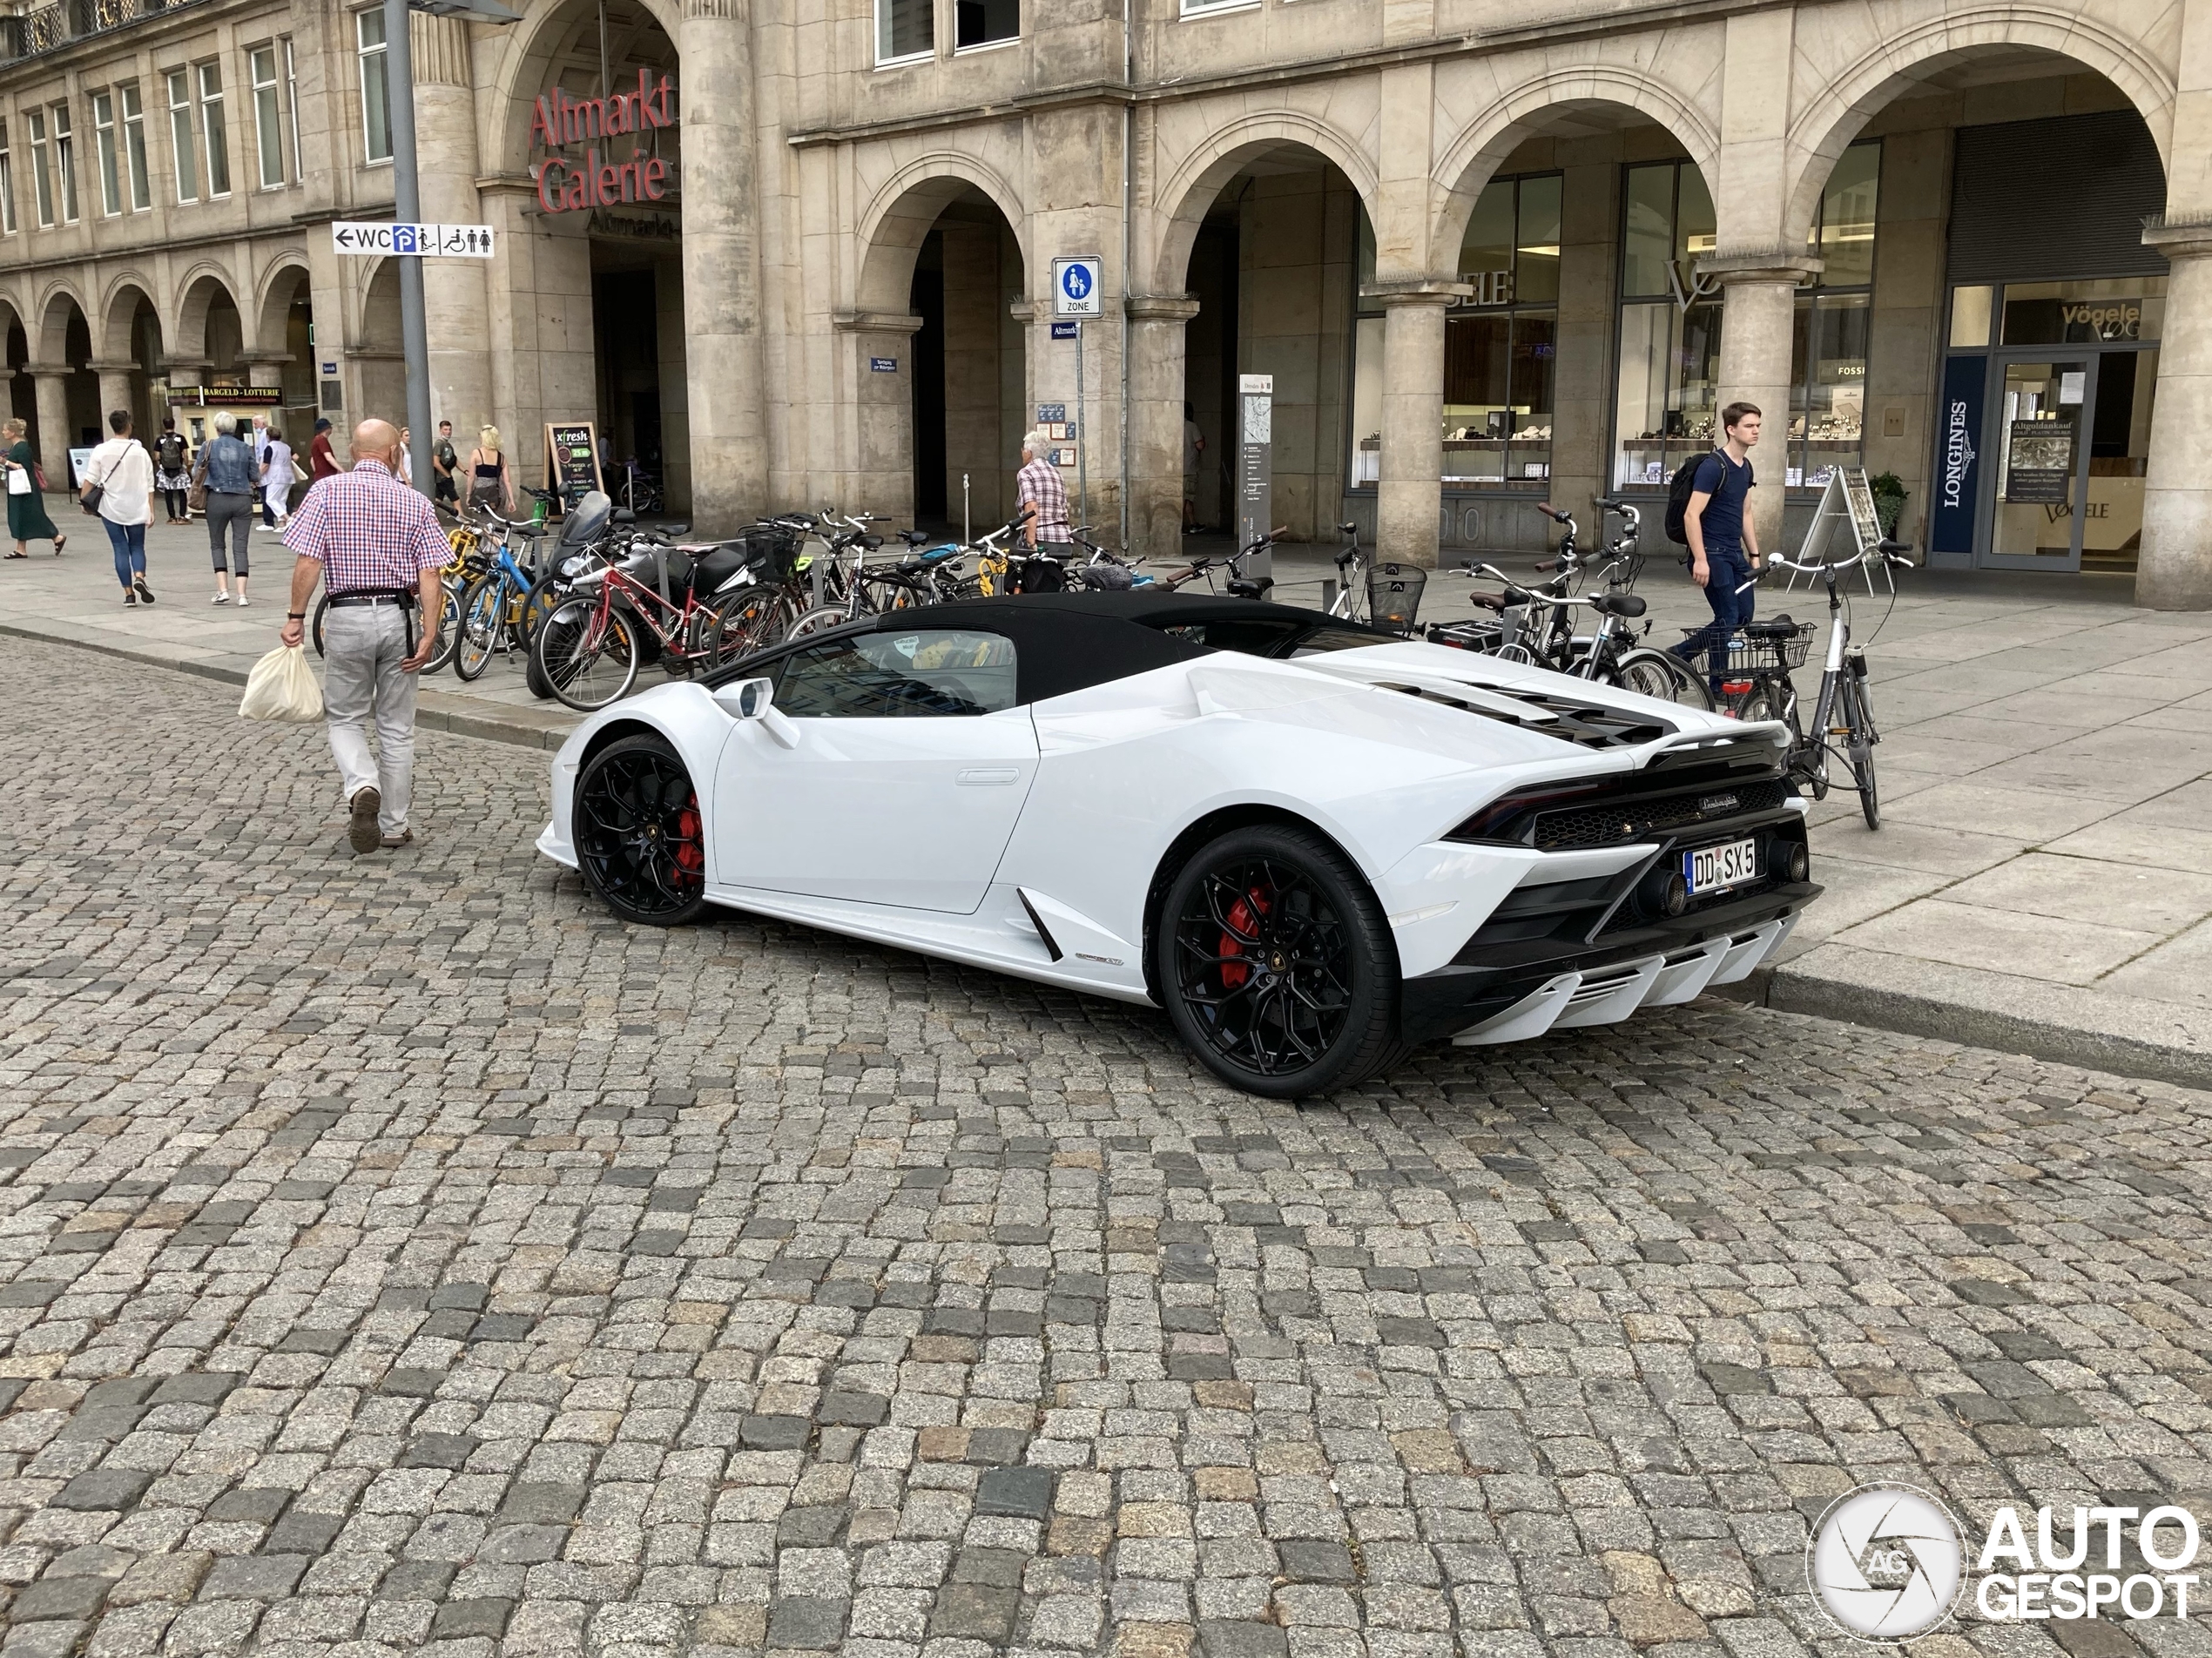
[
  {"x": 1758, "y": 686},
  {"x": 588, "y": 649}
]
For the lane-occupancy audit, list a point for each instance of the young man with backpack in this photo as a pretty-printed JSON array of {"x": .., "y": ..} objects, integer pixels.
[
  {"x": 172, "y": 472},
  {"x": 1709, "y": 511}
]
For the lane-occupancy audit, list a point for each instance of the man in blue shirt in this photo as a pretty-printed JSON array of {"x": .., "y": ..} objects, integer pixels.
[{"x": 1723, "y": 543}]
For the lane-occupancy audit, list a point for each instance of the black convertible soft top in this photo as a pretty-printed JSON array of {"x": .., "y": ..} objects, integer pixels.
[{"x": 1069, "y": 642}]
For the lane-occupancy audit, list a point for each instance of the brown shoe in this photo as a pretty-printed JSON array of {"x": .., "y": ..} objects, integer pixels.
[
  {"x": 392, "y": 843},
  {"x": 361, "y": 830}
]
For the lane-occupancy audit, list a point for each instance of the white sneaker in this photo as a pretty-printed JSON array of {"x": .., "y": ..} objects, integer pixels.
[
  {"x": 241, "y": 601},
  {"x": 222, "y": 598}
]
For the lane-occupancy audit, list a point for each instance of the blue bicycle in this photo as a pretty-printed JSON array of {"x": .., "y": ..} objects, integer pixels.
[{"x": 495, "y": 614}]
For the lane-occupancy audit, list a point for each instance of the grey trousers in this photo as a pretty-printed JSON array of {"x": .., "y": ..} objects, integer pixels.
[
  {"x": 361, "y": 678},
  {"x": 234, "y": 514}
]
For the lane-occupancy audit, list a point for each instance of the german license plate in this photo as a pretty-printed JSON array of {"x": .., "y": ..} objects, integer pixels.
[{"x": 1711, "y": 869}]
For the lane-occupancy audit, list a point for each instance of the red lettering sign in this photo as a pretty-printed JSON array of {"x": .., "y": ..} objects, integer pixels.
[{"x": 558, "y": 121}]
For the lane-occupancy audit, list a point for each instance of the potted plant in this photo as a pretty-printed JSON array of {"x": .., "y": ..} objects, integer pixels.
[{"x": 1889, "y": 492}]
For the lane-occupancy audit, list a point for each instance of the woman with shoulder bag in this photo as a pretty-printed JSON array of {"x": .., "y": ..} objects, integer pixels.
[
  {"x": 119, "y": 488},
  {"x": 228, "y": 475},
  {"x": 27, "y": 519}
]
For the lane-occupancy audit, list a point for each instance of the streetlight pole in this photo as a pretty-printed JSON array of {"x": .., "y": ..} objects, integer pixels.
[
  {"x": 407, "y": 199},
  {"x": 407, "y": 208}
]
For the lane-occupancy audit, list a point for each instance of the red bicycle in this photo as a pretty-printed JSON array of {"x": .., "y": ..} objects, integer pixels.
[{"x": 588, "y": 649}]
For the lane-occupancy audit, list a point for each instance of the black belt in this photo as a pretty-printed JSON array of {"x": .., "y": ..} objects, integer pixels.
[{"x": 402, "y": 597}]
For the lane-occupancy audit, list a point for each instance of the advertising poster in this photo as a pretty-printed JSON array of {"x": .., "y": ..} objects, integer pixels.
[
  {"x": 2039, "y": 464},
  {"x": 1958, "y": 475}
]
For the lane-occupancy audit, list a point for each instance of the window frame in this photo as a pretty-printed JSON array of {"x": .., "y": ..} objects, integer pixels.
[
  {"x": 364, "y": 51},
  {"x": 214, "y": 130},
  {"x": 882, "y": 21},
  {"x": 65, "y": 160},
  {"x": 994, "y": 43},
  {"x": 1514, "y": 311},
  {"x": 268, "y": 117},
  {"x": 41, "y": 175},
  {"x": 8, "y": 222},
  {"x": 133, "y": 119},
  {"x": 106, "y": 161},
  {"x": 184, "y": 141},
  {"x": 291, "y": 106}
]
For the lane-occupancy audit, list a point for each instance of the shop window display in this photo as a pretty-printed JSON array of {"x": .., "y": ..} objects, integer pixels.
[
  {"x": 1669, "y": 362},
  {"x": 1834, "y": 322},
  {"x": 1500, "y": 345}
]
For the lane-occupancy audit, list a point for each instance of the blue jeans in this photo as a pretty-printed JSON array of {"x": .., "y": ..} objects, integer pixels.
[
  {"x": 1726, "y": 570},
  {"x": 130, "y": 544}
]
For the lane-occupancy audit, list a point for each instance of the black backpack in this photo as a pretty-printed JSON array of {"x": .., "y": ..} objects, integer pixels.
[
  {"x": 1679, "y": 490},
  {"x": 172, "y": 452}
]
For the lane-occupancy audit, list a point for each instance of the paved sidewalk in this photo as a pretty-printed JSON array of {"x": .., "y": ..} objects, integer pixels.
[{"x": 2041, "y": 883}]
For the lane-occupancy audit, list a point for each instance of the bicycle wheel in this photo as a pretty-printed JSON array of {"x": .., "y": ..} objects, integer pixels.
[
  {"x": 751, "y": 619},
  {"x": 322, "y": 609},
  {"x": 821, "y": 619},
  {"x": 482, "y": 625},
  {"x": 1764, "y": 702},
  {"x": 589, "y": 655},
  {"x": 1658, "y": 674},
  {"x": 448, "y": 625},
  {"x": 1858, "y": 747}
]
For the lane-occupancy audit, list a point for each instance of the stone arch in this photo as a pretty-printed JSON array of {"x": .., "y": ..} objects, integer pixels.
[
  {"x": 114, "y": 338},
  {"x": 527, "y": 53},
  {"x": 1885, "y": 66},
  {"x": 905, "y": 207},
  {"x": 204, "y": 289},
  {"x": 1466, "y": 163},
  {"x": 280, "y": 286},
  {"x": 57, "y": 304},
  {"x": 1188, "y": 191}
]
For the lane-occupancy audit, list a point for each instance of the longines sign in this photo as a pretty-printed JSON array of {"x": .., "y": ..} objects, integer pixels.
[{"x": 565, "y": 185}]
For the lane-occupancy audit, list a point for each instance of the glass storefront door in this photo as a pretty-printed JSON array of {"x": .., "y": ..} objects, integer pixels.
[{"x": 2036, "y": 436}]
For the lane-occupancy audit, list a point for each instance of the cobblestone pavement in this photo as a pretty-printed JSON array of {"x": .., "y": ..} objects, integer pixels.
[{"x": 398, "y": 1255}]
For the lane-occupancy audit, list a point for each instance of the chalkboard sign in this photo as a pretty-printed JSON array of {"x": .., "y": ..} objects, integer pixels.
[{"x": 571, "y": 459}]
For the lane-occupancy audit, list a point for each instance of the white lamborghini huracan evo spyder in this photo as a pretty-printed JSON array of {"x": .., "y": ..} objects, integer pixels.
[{"x": 1314, "y": 845}]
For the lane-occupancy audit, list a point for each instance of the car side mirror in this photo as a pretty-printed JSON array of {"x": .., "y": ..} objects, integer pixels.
[
  {"x": 751, "y": 699},
  {"x": 748, "y": 698}
]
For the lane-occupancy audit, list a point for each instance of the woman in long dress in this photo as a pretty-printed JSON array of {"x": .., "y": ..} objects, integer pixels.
[
  {"x": 27, "y": 519},
  {"x": 277, "y": 480}
]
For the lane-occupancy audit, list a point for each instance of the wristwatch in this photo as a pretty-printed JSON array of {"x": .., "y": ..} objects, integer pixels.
[{"x": 295, "y": 616}]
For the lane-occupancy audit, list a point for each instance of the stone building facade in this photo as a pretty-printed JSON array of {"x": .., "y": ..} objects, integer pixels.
[{"x": 1486, "y": 259}]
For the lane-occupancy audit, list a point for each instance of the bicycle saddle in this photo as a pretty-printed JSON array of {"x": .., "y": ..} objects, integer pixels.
[
  {"x": 1780, "y": 627},
  {"x": 1487, "y": 601},
  {"x": 1245, "y": 589},
  {"x": 1618, "y": 605},
  {"x": 1347, "y": 530},
  {"x": 914, "y": 537}
]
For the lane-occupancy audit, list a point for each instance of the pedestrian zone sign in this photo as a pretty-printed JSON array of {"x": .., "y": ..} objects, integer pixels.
[
  {"x": 425, "y": 242},
  {"x": 1075, "y": 286}
]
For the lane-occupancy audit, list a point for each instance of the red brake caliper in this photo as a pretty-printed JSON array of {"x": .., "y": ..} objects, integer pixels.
[
  {"x": 1243, "y": 916},
  {"x": 690, "y": 855}
]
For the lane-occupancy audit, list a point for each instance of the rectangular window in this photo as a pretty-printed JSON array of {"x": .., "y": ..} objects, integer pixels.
[
  {"x": 212, "y": 129},
  {"x": 7, "y": 184},
  {"x": 292, "y": 106},
  {"x": 376, "y": 99},
  {"x": 1834, "y": 322},
  {"x": 185, "y": 147},
  {"x": 985, "y": 23},
  {"x": 65, "y": 162},
  {"x": 268, "y": 116},
  {"x": 42, "y": 183},
  {"x": 905, "y": 28},
  {"x": 103, "y": 144},
  {"x": 1670, "y": 363},
  {"x": 134, "y": 147},
  {"x": 1500, "y": 344}
]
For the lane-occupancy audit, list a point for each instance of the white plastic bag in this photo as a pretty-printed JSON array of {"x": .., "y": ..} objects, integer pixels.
[{"x": 282, "y": 686}]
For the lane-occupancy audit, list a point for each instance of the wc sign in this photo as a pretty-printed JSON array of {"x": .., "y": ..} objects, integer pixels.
[{"x": 1075, "y": 286}]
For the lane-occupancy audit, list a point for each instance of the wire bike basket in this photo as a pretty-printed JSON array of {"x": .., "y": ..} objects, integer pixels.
[
  {"x": 1761, "y": 650},
  {"x": 1394, "y": 596}
]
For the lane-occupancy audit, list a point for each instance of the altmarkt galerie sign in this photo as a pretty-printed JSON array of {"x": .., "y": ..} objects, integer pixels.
[{"x": 559, "y": 122}]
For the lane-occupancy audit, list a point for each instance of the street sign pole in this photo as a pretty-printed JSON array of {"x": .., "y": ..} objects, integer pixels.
[
  {"x": 407, "y": 203},
  {"x": 1083, "y": 431}
]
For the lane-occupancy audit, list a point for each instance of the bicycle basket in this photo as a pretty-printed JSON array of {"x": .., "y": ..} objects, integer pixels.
[
  {"x": 1394, "y": 596},
  {"x": 1787, "y": 650},
  {"x": 772, "y": 551}
]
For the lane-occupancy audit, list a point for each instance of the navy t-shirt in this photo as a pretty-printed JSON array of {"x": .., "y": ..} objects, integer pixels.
[{"x": 1728, "y": 483}]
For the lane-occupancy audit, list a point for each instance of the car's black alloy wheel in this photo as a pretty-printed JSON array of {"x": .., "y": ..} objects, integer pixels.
[
  {"x": 640, "y": 839},
  {"x": 1277, "y": 965}
]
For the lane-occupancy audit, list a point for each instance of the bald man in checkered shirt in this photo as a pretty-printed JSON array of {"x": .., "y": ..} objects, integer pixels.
[{"x": 376, "y": 543}]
